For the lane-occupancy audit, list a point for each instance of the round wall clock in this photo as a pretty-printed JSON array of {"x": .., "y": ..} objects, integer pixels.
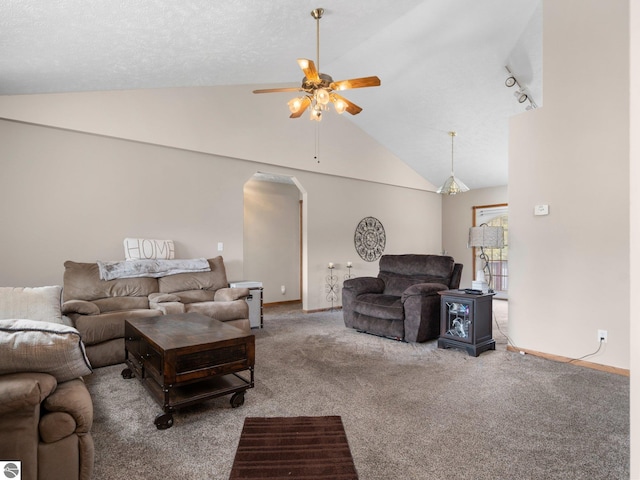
[{"x": 370, "y": 239}]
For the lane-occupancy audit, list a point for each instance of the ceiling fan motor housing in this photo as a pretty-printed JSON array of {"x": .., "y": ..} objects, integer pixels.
[{"x": 311, "y": 86}]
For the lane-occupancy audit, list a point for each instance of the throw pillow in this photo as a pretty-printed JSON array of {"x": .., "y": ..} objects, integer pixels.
[
  {"x": 148, "y": 249},
  {"x": 36, "y": 303},
  {"x": 44, "y": 347}
]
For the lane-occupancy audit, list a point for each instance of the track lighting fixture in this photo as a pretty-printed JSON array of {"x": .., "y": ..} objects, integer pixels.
[{"x": 521, "y": 94}]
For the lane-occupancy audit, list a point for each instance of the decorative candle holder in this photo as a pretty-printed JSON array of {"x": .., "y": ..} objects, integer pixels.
[
  {"x": 349, "y": 274},
  {"x": 331, "y": 286}
]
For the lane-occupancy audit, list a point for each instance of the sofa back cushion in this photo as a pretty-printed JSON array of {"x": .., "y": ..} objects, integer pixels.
[
  {"x": 183, "y": 282},
  {"x": 399, "y": 272},
  {"x": 82, "y": 282},
  {"x": 34, "y": 303}
]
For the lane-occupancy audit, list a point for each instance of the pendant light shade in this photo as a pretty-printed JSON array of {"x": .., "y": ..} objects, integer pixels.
[{"x": 452, "y": 185}]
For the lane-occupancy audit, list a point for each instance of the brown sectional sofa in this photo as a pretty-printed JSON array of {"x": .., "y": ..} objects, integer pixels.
[
  {"x": 98, "y": 308},
  {"x": 50, "y": 337}
]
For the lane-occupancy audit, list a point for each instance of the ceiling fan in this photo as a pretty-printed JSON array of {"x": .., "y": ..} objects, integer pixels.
[{"x": 319, "y": 88}]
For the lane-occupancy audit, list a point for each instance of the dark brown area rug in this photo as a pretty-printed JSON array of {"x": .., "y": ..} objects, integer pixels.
[{"x": 293, "y": 448}]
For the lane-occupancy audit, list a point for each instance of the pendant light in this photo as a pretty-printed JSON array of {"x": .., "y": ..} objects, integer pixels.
[{"x": 452, "y": 185}]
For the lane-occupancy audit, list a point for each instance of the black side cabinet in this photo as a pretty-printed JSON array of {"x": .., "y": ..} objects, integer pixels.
[{"x": 465, "y": 321}]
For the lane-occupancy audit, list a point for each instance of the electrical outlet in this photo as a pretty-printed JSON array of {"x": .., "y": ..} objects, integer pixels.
[{"x": 602, "y": 336}]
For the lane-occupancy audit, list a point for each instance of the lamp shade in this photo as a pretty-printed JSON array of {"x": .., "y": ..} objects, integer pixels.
[
  {"x": 452, "y": 186},
  {"x": 486, "y": 236}
]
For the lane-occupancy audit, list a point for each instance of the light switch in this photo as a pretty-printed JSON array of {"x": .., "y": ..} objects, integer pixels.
[
  {"x": 220, "y": 247},
  {"x": 541, "y": 210}
]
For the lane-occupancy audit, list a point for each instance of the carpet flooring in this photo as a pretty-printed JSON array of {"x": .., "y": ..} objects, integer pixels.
[
  {"x": 411, "y": 411},
  {"x": 313, "y": 448}
]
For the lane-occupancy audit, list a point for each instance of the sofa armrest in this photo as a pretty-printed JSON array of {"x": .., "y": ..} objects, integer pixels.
[
  {"x": 230, "y": 294},
  {"x": 72, "y": 397},
  {"x": 167, "y": 303},
  {"x": 24, "y": 391},
  {"x": 361, "y": 285},
  {"x": 21, "y": 396},
  {"x": 82, "y": 307},
  {"x": 423, "y": 290}
]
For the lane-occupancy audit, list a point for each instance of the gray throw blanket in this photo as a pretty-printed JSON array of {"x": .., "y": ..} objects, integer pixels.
[{"x": 151, "y": 268}]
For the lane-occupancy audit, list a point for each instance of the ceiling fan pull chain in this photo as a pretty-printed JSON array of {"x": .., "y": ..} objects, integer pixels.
[{"x": 317, "y": 155}]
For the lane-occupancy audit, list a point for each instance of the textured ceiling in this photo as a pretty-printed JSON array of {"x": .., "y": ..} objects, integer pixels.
[{"x": 441, "y": 62}]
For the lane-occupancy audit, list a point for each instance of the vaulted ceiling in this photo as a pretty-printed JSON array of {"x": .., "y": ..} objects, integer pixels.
[{"x": 441, "y": 62}]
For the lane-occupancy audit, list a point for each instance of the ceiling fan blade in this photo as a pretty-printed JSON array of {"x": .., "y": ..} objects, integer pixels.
[
  {"x": 309, "y": 69},
  {"x": 304, "y": 104},
  {"x": 350, "y": 107},
  {"x": 356, "y": 83},
  {"x": 272, "y": 90}
]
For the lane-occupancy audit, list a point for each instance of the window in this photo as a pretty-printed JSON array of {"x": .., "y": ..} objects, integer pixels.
[{"x": 495, "y": 216}]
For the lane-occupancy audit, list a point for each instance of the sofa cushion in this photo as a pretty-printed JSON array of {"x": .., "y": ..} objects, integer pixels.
[
  {"x": 196, "y": 296},
  {"x": 438, "y": 266},
  {"x": 399, "y": 272},
  {"x": 46, "y": 347},
  {"x": 182, "y": 282},
  {"x": 388, "y": 307},
  {"x": 222, "y": 311},
  {"x": 35, "y": 303},
  {"x": 115, "y": 304},
  {"x": 107, "y": 326},
  {"x": 163, "y": 297},
  {"x": 82, "y": 282}
]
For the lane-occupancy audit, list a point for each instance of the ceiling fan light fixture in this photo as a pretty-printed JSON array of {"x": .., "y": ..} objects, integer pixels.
[
  {"x": 318, "y": 87},
  {"x": 295, "y": 104},
  {"x": 322, "y": 96},
  {"x": 340, "y": 106},
  {"x": 316, "y": 113}
]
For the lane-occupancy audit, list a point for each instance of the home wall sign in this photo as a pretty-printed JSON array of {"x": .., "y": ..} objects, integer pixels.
[{"x": 370, "y": 239}]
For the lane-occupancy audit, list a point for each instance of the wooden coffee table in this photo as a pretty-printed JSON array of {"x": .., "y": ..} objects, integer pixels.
[{"x": 183, "y": 359}]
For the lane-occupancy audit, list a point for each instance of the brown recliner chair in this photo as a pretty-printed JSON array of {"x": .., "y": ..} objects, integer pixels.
[
  {"x": 402, "y": 302},
  {"x": 46, "y": 412}
]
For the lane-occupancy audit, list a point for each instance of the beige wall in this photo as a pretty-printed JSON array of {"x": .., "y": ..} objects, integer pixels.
[
  {"x": 457, "y": 215},
  {"x": 74, "y": 196},
  {"x": 569, "y": 270},
  {"x": 225, "y": 121},
  {"x": 634, "y": 286}
]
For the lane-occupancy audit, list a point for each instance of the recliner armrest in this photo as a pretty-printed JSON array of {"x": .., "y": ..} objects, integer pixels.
[
  {"x": 423, "y": 290},
  {"x": 230, "y": 294},
  {"x": 361, "y": 285},
  {"x": 23, "y": 391},
  {"x": 73, "y": 398}
]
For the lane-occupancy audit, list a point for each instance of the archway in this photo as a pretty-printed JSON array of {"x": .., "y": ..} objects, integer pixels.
[{"x": 274, "y": 236}]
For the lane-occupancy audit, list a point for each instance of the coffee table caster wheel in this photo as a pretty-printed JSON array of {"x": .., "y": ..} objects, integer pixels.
[
  {"x": 127, "y": 373},
  {"x": 163, "y": 421},
  {"x": 237, "y": 399}
]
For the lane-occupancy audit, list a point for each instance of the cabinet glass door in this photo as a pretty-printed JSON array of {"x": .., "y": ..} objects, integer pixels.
[{"x": 458, "y": 320}]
